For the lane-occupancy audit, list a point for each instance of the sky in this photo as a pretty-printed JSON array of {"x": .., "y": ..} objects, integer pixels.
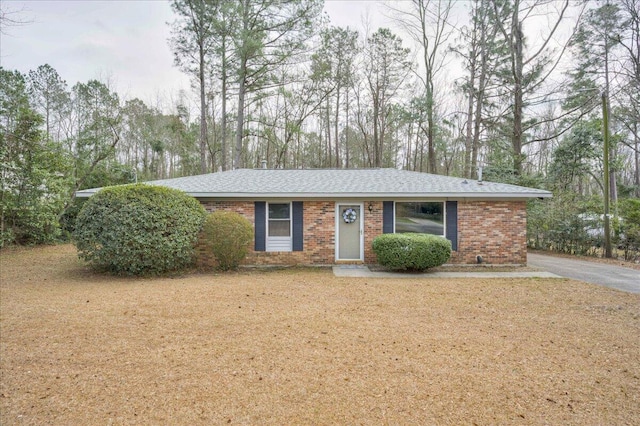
[{"x": 122, "y": 43}]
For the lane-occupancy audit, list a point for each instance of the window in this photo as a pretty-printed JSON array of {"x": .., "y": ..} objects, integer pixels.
[
  {"x": 420, "y": 217},
  {"x": 279, "y": 220},
  {"x": 278, "y": 227}
]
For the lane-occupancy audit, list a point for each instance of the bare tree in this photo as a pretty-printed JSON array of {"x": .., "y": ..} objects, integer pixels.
[
  {"x": 631, "y": 76},
  {"x": 333, "y": 64},
  {"x": 481, "y": 51},
  {"x": 270, "y": 34},
  {"x": 427, "y": 21},
  {"x": 387, "y": 68},
  {"x": 192, "y": 43},
  {"x": 526, "y": 69},
  {"x": 11, "y": 18}
]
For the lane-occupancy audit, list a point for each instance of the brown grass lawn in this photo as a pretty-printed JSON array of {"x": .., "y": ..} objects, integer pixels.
[{"x": 305, "y": 347}]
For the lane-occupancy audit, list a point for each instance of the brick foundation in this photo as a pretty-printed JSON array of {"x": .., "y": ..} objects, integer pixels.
[{"x": 494, "y": 230}]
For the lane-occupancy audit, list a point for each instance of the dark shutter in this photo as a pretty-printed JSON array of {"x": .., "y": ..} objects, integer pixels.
[
  {"x": 452, "y": 224},
  {"x": 387, "y": 217},
  {"x": 298, "y": 226},
  {"x": 260, "y": 225}
]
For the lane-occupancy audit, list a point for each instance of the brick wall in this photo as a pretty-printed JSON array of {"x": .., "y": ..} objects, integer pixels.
[
  {"x": 494, "y": 230},
  {"x": 372, "y": 228},
  {"x": 318, "y": 231}
]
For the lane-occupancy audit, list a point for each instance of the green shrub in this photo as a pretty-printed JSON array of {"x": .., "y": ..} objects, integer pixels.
[
  {"x": 227, "y": 235},
  {"x": 414, "y": 252},
  {"x": 139, "y": 229},
  {"x": 629, "y": 229},
  {"x": 68, "y": 218}
]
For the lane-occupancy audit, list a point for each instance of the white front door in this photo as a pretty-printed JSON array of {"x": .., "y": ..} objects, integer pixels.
[{"x": 349, "y": 232}]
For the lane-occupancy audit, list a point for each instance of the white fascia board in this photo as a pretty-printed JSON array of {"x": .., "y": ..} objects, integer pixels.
[
  {"x": 85, "y": 194},
  {"x": 373, "y": 195},
  {"x": 366, "y": 196}
]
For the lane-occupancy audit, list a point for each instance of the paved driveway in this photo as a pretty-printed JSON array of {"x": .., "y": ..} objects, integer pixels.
[{"x": 621, "y": 278}]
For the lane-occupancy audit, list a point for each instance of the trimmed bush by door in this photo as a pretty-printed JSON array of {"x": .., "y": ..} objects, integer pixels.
[{"x": 414, "y": 252}]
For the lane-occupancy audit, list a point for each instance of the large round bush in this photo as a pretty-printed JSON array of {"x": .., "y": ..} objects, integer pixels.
[
  {"x": 414, "y": 252},
  {"x": 139, "y": 229},
  {"x": 227, "y": 235}
]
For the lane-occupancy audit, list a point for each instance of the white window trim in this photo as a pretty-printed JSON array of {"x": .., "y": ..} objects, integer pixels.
[
  {"x": 282, "y": 244},
  {"x": 444, "y": 214}
]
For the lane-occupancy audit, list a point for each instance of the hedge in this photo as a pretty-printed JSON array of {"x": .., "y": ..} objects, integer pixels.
[
  {"x": 227, "y": 235},
  {"x": 414, "y": 252},
  {"x": 139, "y": 229}
]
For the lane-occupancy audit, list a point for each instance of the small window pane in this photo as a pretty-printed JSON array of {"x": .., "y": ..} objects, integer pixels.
[
  {"x": 279, "y": 228},
  {"x": 278, "y": 211},
  {"x": 420, "y": 218}
]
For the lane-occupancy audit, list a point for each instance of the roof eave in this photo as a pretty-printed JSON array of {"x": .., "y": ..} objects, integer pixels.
[
  {"x": 374, "y": 195},
  {"x": 85, "y": 194},
  {"x": 358, "y": 195}
]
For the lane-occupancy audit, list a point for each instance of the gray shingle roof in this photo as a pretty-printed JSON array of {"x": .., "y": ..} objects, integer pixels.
[{"x": 337, "y": 183}]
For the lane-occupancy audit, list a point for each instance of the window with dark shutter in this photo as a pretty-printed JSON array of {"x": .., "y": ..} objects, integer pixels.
[
  {"x": 420, "y": 217},
  {"x": 387, "y": 217},
  {"x": 260, "y": 208},
  {"x": 278, "y": 227},
  {"x": 298, "y": 225},
  {"x": 452, "y": 224}
]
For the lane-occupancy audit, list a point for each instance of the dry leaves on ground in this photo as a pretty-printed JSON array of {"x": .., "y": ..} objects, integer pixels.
[{"x": 305, "y": 347}]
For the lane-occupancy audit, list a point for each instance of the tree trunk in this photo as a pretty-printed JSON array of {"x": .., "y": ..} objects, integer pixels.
[
  {"x": 376, "y": 136},
  {"x": 203, "y": 112},
  {"x": 421, "y": 166},
  {"x": 346, "y": 132},
  {"x": 518, "y": 103},
  {"x": 636, "y": 176},
  {"x": 382, "y": 132},
  {"x": 223, "y": 133},
  {"x": 240, "y": 123},
  {"x": 468, "y": 143},
  {"x": 336, "y": 137},
  {"x": 328, "y": 130},
  {"x": 431, "y": 161},
  {"x": 47, "y": 113},
  {"x": 408, "y": 148},
  {"x": 613, "y": 187},
  {"x": 480, "y": 95}
]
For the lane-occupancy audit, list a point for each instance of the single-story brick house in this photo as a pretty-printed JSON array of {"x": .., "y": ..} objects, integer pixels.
[{"x": 327, "y": 216}]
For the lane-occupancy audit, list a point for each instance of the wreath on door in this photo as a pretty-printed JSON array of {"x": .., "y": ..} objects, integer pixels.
[{"x": 349, "y": 215}]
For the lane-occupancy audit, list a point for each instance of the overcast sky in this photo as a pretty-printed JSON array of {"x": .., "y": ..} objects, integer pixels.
[{"x": 120, "y": 42}]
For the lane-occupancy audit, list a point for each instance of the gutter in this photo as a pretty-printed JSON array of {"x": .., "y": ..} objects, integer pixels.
[{"x": 358, "y": 195}]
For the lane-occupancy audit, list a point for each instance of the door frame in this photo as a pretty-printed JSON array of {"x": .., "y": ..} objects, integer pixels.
[{"x": 337, "y": 230}]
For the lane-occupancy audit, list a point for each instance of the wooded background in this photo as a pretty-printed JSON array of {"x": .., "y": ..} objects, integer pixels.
[{"x": 518, "y": 89}]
